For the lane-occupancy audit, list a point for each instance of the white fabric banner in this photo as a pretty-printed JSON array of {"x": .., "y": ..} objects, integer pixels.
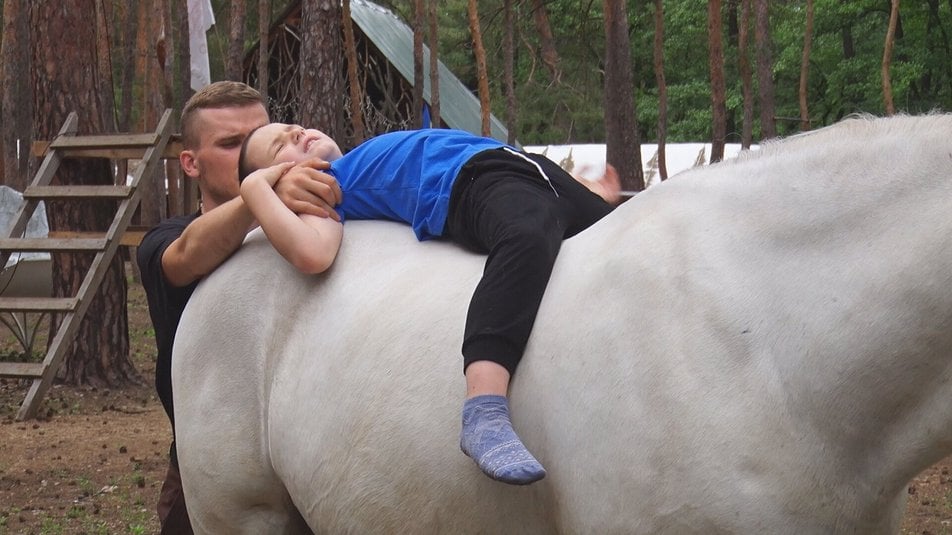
[{"x": 200, "y": 19}]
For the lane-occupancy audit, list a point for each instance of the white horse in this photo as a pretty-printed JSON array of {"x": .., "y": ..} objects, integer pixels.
[{"x": 758, "y": 346}]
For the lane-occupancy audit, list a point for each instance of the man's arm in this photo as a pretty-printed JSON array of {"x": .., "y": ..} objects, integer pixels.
[
  {"x": 209, "y": 240},
  {"x": 206, "y": 243},
  {"x": 306, "y": 189}
]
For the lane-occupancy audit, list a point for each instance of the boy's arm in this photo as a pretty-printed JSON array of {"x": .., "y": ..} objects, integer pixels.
[{"x": 308, "y": 242}]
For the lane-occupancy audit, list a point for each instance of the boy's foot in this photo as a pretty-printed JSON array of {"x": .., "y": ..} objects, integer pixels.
[{"x": 487, "y": 437}]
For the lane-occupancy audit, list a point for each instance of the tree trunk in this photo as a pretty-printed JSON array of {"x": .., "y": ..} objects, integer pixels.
[
  {"x": 662, "y": 89},
  {"x": 65, "y": 37},
  {"x": 264, "y": 44},
  {"x": 321, "y": 96},
  {"x": 186, "y": 200},
  {"x": 152, "y": 50},
  {"x": 16, "y": 128},
  {"x": 419, "y": 28},
  {"x": 718, "y": 85},
  {"x": 434, "y": 64},
  {"x": 805, "y": 68},
  {"x": 128, "y": 25},
  {"x": 482, "y": 77},
  {"x": 746, "y": 77},
  {"x": 623, "y": 149},
  {"x": 182, "y": 90},
  {"x": 353, "y": 80},
  {"x": 887, "y": 58},
  {"x": 508, "y": 54},
  {"x": 550, "y": 56},
  {"x": 768, "y": 121},
  {"x": 236, "y": 40},
  {"x": 849, "y": 47},
  {"x": 104, "y": 55}
]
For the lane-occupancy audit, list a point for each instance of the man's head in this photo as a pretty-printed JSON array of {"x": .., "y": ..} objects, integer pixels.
[
  {"x": 277, "y": 142},
  {"x": 215, "y": 122}
]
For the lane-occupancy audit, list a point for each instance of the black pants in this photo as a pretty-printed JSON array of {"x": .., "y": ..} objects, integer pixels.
[{"x": 501, "y": 205}]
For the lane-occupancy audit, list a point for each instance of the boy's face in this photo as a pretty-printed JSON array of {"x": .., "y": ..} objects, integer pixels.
[{"x": 277, "y": 143}]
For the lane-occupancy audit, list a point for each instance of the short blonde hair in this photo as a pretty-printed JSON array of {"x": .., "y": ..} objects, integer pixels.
[{"x": 224, "y": 94}]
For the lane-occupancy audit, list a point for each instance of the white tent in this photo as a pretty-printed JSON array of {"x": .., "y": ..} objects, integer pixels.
[{"x": 588, "y": 160}]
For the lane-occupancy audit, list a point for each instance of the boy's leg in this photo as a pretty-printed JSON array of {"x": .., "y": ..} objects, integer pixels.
[
  {"x": 513, "y": 220},
  {"x": 523, "y": 238},
  {"x": 512, "y": 213}
]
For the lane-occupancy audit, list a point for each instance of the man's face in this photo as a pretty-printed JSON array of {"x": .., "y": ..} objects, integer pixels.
[{"x": 215, "y": 161}]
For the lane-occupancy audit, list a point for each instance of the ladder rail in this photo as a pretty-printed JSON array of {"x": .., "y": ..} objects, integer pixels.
[{"x": 73, "y": 315}]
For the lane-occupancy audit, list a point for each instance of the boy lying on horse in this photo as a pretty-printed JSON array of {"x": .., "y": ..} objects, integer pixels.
[{"x": 486, "y": 196}]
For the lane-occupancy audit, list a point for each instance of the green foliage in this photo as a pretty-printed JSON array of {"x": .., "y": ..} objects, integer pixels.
[{"x": 570, "y": 109}]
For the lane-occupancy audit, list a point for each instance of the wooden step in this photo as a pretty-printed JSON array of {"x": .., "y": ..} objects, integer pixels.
[
  {"x": 77, "y": 192},
  {"x": 132, "y": 237},
  {"x": 52, "y": 244},
  {"x": 105, "y": 140},
  {"x": 172, "y": 150},
  {"x": 26, "y": 370},
  {"x": 38, "y": 304}
]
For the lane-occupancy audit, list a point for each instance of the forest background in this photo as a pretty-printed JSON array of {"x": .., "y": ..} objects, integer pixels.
[{"x": 819, "y": 70}]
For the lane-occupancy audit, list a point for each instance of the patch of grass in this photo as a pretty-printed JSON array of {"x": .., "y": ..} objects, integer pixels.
[
  {"x": 18, "y": 355},
  {"x": 52, "y": 526},
  {"x": 85, "y": 485},
  {"x": 136, "y": 520},
  {"x": 92, "y": 526},
  {"x": 76, "y": 511}
]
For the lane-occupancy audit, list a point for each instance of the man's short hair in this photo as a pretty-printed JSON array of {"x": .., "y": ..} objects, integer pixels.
[{"x": 224, "y": 94}]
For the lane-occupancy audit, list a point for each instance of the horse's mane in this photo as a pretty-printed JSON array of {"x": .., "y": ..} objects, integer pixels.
[{"x": 858, "y": 128}]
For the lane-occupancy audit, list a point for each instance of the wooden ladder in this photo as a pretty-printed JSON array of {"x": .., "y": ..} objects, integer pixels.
[{"x": 149, "y": 148}]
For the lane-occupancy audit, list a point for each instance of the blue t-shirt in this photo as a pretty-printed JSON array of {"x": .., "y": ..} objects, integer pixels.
[{"x": 406, "y": 176}]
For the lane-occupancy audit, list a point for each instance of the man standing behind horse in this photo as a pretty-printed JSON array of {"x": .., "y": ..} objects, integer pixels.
[{"x": 176, "y": 254}]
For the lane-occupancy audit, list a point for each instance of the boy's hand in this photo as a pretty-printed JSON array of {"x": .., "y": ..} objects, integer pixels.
[
  {"x": 270, "y": 175},
  {"x": 306, "y": 189}
]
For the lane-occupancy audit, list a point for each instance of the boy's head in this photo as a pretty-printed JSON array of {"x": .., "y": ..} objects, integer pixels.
[
  {"x": 277, "y": 143},
  {"x": 215, "y": 122}
]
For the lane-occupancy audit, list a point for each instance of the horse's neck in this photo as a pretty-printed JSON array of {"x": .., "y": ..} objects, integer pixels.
[{"x": 836, "y": 251}]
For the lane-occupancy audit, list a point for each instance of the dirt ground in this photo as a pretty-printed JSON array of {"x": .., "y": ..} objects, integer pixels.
[{"x": 93, "y": 463}]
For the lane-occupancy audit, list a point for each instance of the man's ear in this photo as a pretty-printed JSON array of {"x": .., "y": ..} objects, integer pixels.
[{"x": 189, "y": 164}]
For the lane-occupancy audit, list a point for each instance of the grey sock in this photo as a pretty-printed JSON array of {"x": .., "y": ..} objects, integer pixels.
[{"x": 488, "y": 438}]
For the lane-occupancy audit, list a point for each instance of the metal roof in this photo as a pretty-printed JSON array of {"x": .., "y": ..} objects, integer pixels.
[{"x": 459, "y": 108}]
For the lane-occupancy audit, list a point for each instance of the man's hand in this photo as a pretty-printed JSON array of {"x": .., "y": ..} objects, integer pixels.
[{"x": 306, "y": 189}]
